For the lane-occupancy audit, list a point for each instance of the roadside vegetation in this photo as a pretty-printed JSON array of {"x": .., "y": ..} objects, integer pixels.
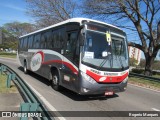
[
  {"x": 3, "y": 88},
  {"x": 133, "y": 63},
  {"x": 144, "y": 83},
  {"x": 140, "y": 68},
  {"x": 156, "y": 76},
  {"x": 8, "y": 55},
  {"x": 155, "y": 65}
]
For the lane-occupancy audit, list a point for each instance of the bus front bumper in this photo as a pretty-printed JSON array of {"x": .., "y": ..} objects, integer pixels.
[{"x": 88, "y": 88}]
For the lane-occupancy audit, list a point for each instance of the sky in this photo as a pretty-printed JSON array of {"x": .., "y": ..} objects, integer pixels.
[{"x": 15, "y": 10}]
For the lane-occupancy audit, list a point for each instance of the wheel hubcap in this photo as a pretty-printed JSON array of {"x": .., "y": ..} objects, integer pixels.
[
  {"x": 55, "y": 80},
  {"x": 25, "y": 69}
]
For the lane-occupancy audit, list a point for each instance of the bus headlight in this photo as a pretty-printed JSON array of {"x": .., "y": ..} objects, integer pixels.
[
  {"x": 125, "y": 80},
  {"x": 87, "y": 78}
]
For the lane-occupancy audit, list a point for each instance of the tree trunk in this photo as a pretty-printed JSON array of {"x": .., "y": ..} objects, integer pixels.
[{"x": 148, "y": 66}]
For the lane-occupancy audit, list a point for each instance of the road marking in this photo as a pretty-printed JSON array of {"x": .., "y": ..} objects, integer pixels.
[
  {"x": 49, "y": 106},
  {"x": 155, "y": 109},
  {"x": 144, "y": 87},
  {"x": 9, "y": 58}
]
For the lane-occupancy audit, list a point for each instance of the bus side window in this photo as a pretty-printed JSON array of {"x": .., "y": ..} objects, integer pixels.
[
  {"x": 68, "y": 50},
  {"x": 37, "y": 41},
  {"x": 61, "y": 37},
  {"x": 77, "y": 54},
  {"x": 77, "y": 48},
  {"x": 42, "y": 42},
  {"x": 30, "y": 41},
  {"x": 45, "y": 41},
  {"x": 71, "y": 45},
  {"x": 56, "y": 42},
  {"x": 71, "y": 42},
  {"x": 53, "y": 39},
  {"x": 25, "y": 43},
  {"x": 49, "y": 40},
  {"x": 21, "y": 43},
  {"x": 34, "y": 42}
]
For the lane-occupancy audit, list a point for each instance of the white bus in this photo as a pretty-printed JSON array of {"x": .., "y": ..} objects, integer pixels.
[{"x": 82, "y": 55}]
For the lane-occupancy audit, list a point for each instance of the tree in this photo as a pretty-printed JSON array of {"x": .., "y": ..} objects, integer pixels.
[
  {"x": 141, "y": 13},
  {"x": 18, "y": 29},
  {"x": 133, "y": 62},
  {"x": 142, "y": 63},
  {"x": 11, "y": 32},
  {"x": 48, "y": 12},
  {"x": 9, "y": 40}
]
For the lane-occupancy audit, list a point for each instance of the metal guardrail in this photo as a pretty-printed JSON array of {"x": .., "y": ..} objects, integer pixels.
[
  {"x": 145, "y": 77},
  {"x": 32, "y": 102}
]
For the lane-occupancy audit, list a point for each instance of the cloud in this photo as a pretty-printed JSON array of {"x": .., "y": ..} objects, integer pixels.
[{"x": 14, "y": 7}]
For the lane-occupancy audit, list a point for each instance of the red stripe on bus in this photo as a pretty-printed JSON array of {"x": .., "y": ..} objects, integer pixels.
[
  {"x": 107, "y": 79},
  {"x": 42, "y": 54},
  {"x": 62, "y": 62}
]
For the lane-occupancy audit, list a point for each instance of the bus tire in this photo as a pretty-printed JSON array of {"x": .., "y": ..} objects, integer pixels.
[
  {"x": 55, "y": 81},
  {"x": 25, "y": 67}
]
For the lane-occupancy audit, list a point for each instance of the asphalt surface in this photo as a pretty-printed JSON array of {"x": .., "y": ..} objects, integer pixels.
[
  {"x": 10, "y": 102},
  {"x": 133, "y": 99}
]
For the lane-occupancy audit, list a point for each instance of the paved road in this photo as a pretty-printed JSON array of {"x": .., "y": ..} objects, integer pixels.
[{"x": 133, "y": 99}]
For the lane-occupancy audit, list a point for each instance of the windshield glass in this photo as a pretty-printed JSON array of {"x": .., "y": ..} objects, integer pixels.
[{"x": 102, "y": 54}]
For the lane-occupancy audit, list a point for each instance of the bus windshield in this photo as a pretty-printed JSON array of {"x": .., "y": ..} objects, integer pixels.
[{"x": 102, "y": 54}]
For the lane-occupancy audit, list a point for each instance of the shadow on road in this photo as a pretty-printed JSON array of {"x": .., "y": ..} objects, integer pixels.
[
  {"x": 77, "y": 97},
  {"x": 68, "y": 93},
  {"x": 37, "y": 77}
]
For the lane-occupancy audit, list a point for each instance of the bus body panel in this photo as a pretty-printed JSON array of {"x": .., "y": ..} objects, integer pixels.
[
  {"x": 73, "y": 81},
  {"x": 66, "y": 59}
]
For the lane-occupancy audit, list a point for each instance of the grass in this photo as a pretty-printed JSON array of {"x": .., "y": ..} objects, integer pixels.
[
  {"x": 8, "y": 55},
  {"x": 3, "y": 88},
  {"x": 156, "y": 76},
  {"x": 144, "y": 83}
]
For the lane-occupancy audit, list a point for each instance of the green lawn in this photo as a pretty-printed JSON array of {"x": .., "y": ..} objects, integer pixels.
[
  {"x": 3, "y": 88},
  {"x": 8, "y": 55},
  {"x": 156, "y": 76},
  {"x": 144, "y": 83}
]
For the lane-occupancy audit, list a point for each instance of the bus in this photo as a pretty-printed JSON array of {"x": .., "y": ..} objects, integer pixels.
[{"x": 83, "y": 55}]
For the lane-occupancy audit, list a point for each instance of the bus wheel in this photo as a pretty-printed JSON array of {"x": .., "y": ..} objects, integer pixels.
[
  {"x": 55, "y": 81},
  {"x": 25, "y": 68}
]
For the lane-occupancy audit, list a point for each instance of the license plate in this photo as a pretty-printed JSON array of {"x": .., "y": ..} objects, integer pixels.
[{"x": 109, "y": 93}]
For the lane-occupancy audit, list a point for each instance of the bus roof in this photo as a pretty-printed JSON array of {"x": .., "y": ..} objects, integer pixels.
[{"x": 79, "y": 20}]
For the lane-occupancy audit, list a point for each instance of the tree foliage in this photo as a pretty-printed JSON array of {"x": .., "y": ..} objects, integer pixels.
[
  {"x": 133, "y": 62},
  {"x": 18, "y": 29},
  {"x": 9, "y": 40},
  {"x": 48, "y": 12},
  {"x": 11, "y": 32},
  {"x": 143, "y": 14}
]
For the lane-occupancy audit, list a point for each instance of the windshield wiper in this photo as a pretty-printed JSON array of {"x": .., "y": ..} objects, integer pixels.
[
  {"x": 106, "y": 59},
  {"x": 103, "y": 62},
  {"x": 120, "y": 60}
]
